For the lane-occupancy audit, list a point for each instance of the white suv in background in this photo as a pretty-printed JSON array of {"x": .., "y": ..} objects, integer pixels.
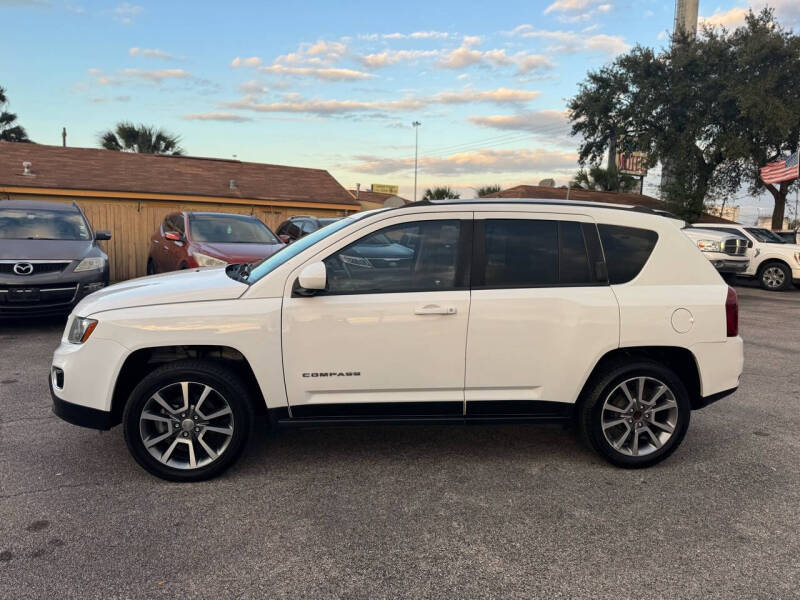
[
  {"x": 774, "y": 262},
  {"x": 459, "y": 311}
]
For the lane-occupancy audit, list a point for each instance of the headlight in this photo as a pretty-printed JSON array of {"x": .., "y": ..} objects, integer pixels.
[
  {"x": 80, "y": 330},
  {"x": 709, "y": 245},
  {"x": 357, "y": 261},
  {"x": 203, "y": 260},
  {"x": 90, "y": 264}
]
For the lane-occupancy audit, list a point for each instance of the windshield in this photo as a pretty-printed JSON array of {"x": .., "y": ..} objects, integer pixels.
[
  {"x": 276, "y": 260},
  {"x": 764, "y": 235},
  {"x": 37, "y": 224},
  {"x": 230, "y": 229}
]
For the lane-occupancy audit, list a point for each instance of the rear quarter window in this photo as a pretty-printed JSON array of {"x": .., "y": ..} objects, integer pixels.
[{"x": 626, "y": 250}]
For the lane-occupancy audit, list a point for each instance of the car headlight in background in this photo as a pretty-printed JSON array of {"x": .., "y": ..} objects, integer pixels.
[
  {"x": 93, "y": 263},
  {"x": 357, "y": 261},
  {"x": 80, "y": 330},
  {"x": 204, "y": 260},
  {"x": 709, "y": 245}
]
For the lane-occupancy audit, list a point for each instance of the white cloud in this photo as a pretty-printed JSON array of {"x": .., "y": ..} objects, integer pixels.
[
  {"x": 126, "y": 12},
  {"x": 217, "y": 116},
  {"x": 294, "y": 103},
  {"x": 569, "y": 42},
  {"x": 253, "y": 88},
  {"x": 467, "y": 55},
  {"x": 787, "y": 12},
  {"x": 100, "y": 77},
  {"x": 253, "y": 61},
  {"x": 151, "y": 53},
  {"x": 324, "y": 73},
  {"x": 548, "y": 121},
  {"x": 574, "y": 11},
  {"x": 480, "y": 161},
  {"x": 390, "y": 57},
  {"x": 416, "y": 35},
  {"x": 156, "y": 75}
]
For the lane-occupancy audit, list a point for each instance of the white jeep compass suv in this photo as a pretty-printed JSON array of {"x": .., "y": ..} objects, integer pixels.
[{"x": 459, "y": 311}]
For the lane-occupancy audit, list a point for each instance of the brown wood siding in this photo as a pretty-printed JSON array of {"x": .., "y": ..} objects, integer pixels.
[{"x": 132, "y": 222}]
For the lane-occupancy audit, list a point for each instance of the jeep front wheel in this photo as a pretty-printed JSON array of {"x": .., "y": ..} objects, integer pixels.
[{"x": 188, "y": 420}]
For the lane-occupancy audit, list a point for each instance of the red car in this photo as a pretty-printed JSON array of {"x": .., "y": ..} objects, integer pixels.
[{"x": 202, "y": 239}]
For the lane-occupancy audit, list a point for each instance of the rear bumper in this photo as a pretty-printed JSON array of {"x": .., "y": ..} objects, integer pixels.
[
  {"x": 706, "y": 400},
  {"x": 720, "y": 366}
]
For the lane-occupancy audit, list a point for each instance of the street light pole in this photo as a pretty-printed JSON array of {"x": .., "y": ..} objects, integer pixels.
[{"x": 415, "y": 125}]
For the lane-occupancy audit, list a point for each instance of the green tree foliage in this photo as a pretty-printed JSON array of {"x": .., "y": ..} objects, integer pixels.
[
  {"x": 712, "y": 109},
  {"x": 604, "y": 180},
  {"x": 10, "y": 130},
  {"x": 488, "y": 189},
  {"x": 127, "y": 137},
  {"x": 440, "y": 193}
]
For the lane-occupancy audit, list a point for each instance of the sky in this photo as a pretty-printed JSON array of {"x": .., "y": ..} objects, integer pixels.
[{"x": 335, "y": 85}]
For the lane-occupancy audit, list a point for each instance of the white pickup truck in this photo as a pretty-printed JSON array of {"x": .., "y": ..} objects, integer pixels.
[{"x": 774, "y": 262}]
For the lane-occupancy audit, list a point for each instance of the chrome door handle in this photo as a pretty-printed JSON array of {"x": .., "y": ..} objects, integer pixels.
[{"x": 435, "y": 309}]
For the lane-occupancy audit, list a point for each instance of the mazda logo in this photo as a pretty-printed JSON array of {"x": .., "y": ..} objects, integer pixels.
[{"x": 23, "y": 268}]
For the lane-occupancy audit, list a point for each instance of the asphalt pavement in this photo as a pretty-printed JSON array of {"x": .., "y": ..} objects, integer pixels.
[{"x": 412, "y": 512}]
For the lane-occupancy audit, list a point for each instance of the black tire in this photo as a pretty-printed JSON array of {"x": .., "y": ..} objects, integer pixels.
[
  {"x": 183, "y": 266},
  {"x": 151, "y": 268},
  {"x": 769, "y": 280},
  {"x": 590, "y": 412},
  {"x": 229, "y": 388}
]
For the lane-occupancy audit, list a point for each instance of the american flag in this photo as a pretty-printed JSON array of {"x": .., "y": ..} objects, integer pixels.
[{"x": 782, "y": 170}]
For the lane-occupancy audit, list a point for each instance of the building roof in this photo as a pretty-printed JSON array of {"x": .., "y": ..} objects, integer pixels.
[
  {"x": 379, "y": 197},
  {"x": 107, "y": 170},
  {"x": 560, "y": 193}
]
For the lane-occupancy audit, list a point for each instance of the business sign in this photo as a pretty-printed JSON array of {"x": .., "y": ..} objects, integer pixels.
[
  {"x": 632, "y": 163},
  {"x": 383, "y": 188}
]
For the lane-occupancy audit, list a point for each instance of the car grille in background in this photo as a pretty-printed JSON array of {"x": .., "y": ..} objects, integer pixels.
[
  {"x": 735, "y": 247},
  {"x": 21, "y": 296},
  {"x": 7, "y": 268}
]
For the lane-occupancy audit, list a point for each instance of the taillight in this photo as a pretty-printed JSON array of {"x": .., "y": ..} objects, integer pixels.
[{"x": 732, "y": 312}]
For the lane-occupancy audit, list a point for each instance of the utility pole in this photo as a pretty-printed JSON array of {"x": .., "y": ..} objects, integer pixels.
[
  {"x": 64, "y": 137},
  {"x": 415, "y": 125}
]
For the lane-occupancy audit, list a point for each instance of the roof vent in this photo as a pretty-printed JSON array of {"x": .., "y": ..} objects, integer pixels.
[
  {"x": 232, "y": 185},
  {"x": 26, "y": 168}
]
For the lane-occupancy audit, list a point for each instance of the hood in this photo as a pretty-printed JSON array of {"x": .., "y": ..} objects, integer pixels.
[
  {"x": 697, "y": 233},
  {"x": 43, "y": 249},
  {"x": 237, "y": 253},
  {"x": 193, "y": 285}
]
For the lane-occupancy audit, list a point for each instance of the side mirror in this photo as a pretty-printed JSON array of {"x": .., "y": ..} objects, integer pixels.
[
  {"x": 312, "y": 279},
  {"x": 102, "y": 235},
  {"x": 175, "y": 237}
]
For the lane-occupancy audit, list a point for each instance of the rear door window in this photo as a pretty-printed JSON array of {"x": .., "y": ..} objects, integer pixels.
[
  {"x": 626, "y": 250},
  {"x": 535, "y": 253}
]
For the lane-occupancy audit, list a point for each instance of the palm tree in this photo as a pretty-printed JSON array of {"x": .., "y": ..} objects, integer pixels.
[
  {"x": 488, "y": 189},
  {"x": 127, "y": 137},
  {"x": 604, "y": 180},
  {"x": 440, "y": 193},
  {"x": 9, "y": 130}
]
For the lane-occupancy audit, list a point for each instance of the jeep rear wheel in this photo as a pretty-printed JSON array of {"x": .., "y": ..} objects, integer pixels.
[
  {"x": 636, "y": 415},
  {"x": 188, "y": 421},
  {"x": 775, "y": 276}
]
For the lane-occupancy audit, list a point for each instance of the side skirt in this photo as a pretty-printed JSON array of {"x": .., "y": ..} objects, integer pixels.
[{"x": 422, "y": 413}]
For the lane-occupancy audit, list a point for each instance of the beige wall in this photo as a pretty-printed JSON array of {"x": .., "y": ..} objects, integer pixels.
[{"x": 132, "y": 222}]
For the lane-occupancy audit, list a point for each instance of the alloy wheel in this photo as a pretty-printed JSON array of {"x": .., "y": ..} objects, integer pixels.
[
  {"x": 773, "y": 277},
  {"x": 186, "y": 425},
  {"x": 639, "y": 416}
]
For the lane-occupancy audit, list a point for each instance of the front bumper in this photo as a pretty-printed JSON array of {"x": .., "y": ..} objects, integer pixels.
[
  {"x": 82, "y": 379},
  {"x": 47, "y": 294},
  {"x": 727, "y": 264},
  {"x": 76, "y": 414}
]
